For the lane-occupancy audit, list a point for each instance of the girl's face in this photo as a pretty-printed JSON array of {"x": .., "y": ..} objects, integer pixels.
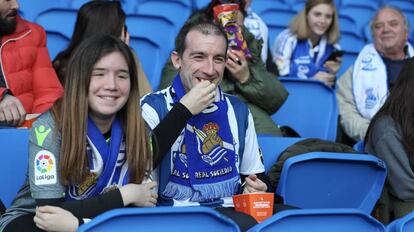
[
  {"x": 320, "y": 18},
  {"x": 109, "y": 86}
]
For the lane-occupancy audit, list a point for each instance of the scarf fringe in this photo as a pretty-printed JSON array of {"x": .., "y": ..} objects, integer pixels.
[
  {"x": 222, "y": 189},
  {"x": 177, "y": 191}
]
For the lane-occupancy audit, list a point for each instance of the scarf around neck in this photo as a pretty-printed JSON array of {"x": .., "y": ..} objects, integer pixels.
[
  {"x": 204, "y": 167},
  {"x": 106, "y": 151}
]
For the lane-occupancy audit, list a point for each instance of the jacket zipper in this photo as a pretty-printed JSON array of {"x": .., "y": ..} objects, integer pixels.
[{"x": 1, "y": 49}]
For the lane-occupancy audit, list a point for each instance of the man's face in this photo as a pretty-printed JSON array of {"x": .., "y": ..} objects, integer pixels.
[
  {"x": 204, "y": 58},
  {"x": 390, "y": 34},
  {"x": 8, "y": 13}
]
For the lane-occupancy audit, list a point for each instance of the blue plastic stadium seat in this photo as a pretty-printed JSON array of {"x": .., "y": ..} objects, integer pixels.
[
  {"x": 272, "y": 146},
  {"x": 404, "y": 224},
  {"x": 402, "y": 4},
  {"x": 346, "y": 23},
  {"x": 348, "y": 59},
  {"x": 332, "y": 180},
  {"x": 320, "y": 220},
  {"x": 31, "y": 9},
  {"x": 151, "y": 57},
  {"x": 56, "y": 42},
  {"x": 14, "y": 145},
  {"x": 369, "y": 3},
  {"x": 156, "y": 29},
  {"x": 359, "y": 146},
  {"x": 311, "y": 109},
  {"x": 58, "y": 20},
  {"x": 199, "y": 4},
  {"x": 351, "y": 41},
  {"x": 277, "y": 20},
  {"x": 171, "y": 219},
  {"x": 360, "y": 13},
  {"x": 127, "y": 5},
  {"x": 259, "y": 6},
  {"x": 177, "y": 11}
]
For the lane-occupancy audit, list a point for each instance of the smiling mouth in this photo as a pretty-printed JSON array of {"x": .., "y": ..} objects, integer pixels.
[
  {"x": 205, "y": 79},
  {"x": 108, "y": 98}
]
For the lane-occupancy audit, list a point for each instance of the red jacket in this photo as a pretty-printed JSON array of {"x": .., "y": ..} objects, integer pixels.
[{"x": 27, "y": 68}]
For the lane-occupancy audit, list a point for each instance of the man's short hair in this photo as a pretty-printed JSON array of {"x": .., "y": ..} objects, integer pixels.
[
  {"x": 396, "y": 9},
  {"x": 204, "y": 26}
]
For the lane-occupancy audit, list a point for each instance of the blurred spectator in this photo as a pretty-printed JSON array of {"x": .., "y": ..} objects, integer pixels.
[
  {"x": 364, "y": 87},
  {"x": 28, "y": 83},
  {"x": 98, "y": 17},
  {"x": 257, "y": 27},
  {"x": 390, "y": 137},
  {"x": 304, "y": 49},
  {"x": 245, "y": 75}
]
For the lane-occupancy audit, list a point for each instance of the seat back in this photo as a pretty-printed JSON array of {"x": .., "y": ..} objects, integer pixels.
[
  {"x": 311, "y": 109},
  {"x": 359, "y": 146},
  {"x": 58, "y": 20},
  {"x": 56, "y": 42},
  {"x": 272, "y": 146},
  {"x": 159, "y": 31},
  {"x": 151, "y": 57},
  {"x": 320, "y": 220},
  {"x": 277, "y": 20},
  {"x": 404, "y": 224},
  {"x": 14, "y": 145},
  {"x": 31, "y": 9},
  {"x": 171, "y": 219},
  {"x": 332, "y": 180},
  {"x": 177, "y": 11}
]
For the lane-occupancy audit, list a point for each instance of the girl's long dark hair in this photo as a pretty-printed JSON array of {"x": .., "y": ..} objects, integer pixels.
[
  {"x": 400, "y": 106},
  {"x": 94, "y": 18}
]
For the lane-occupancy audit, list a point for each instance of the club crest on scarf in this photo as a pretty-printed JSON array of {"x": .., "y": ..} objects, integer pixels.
[{"x": 204, "y": 162}]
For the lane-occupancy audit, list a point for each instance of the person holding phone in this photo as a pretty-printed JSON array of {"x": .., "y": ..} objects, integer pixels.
[{"x": 308, "y": 48}]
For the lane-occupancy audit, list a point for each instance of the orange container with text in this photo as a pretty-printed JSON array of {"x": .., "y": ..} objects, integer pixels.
[{"x": 258, "y": 205}]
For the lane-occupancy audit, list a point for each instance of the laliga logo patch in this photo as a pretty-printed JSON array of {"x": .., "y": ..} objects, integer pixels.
[{"x": 45, "y": 168}]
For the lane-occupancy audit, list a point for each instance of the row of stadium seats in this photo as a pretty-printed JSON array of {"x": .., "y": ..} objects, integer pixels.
[{"x": 337, "y": 187}]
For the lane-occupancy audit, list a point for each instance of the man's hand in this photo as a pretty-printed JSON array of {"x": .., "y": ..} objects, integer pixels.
[
  {"x": 238, "y": 65},
  {"x": 56, "y": 219},
  {"x": 327, "y": 78},
  {"x": 140, "y": 195},
  {"x": 11, "y": 111},
  {"x": 254, "y": 185},
  {"x": 199, "y": 97}
]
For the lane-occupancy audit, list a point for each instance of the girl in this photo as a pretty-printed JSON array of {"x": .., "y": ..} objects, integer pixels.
[
  {"x": 304, "y": 49},
  {"x": 90, "y": 153}
]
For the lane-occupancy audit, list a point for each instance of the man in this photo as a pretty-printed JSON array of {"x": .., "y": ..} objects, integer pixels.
[
  {"x": 28, "y": 83},
  {"x": 216, "y": 149},
  {"x": 364, "y": 87},
  {"x": 246, "y": 78}
]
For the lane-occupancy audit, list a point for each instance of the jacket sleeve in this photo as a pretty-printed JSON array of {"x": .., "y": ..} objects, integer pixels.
[
  {"x": 385, "y": 141},
  {"x": 46, "y": 86},
  {"x": 282, "y": 49},
  {"x": 263, "y": 88},
  {"x": 354, "y": 125},
  {"x": 168, "y": 74}
]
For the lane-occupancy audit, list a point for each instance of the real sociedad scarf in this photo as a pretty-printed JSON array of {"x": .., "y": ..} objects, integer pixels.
[
  {"x": 369, "y": 80},
  {"x": 204, "y": 167},
  {"x": 112, "y": 173},
  {"x": 305, "y": 65}
]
